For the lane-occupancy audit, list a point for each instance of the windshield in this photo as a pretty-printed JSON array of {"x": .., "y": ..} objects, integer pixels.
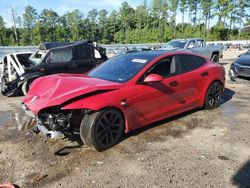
[
  {"x": 121, "y": 68},
  {"x": 175, "y": 44}
]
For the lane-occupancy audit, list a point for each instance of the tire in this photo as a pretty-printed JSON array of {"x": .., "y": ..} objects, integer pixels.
[
  {"x": 3, "y": 92},
  {"x": 213, "y": 96},
  {"x": 26, "y": 86},
  {"x": 215, "y": 58},
  {"x": 232, "y": 75},
  {"x": 102, "y": 129}
]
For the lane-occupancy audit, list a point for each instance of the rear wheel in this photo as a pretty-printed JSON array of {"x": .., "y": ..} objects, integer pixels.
[
  {"x": 103, "y": 129},
  {"x": 213, "y": 96},
  {"x": 215, "y": 58}
]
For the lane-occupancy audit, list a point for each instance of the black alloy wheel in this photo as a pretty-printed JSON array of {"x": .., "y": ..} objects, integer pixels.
[
  {"x": 213, "y": 96},
  {"x": 102, "y": 129}
]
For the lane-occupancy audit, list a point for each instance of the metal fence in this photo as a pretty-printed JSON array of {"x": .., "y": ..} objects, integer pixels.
[
  {"x": 109, "y": 48},
  {"x": 12, "y": 49}
]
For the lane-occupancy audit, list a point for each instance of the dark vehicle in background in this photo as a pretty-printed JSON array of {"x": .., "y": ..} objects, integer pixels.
[
  {"x": 196, "y": 45},
  {"x": 52, "y": 58},
  {"x": 241, "y": 67}
]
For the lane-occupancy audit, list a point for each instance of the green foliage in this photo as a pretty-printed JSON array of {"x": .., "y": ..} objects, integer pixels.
[
  {"x": 147, "y": 23},
  {"x": 2, "y": 31}
]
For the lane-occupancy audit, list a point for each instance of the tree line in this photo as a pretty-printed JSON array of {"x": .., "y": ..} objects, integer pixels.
[{"x": 150, "y": 22}]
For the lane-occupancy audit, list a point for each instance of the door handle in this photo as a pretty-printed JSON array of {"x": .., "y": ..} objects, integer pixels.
[
  {"x": 173, "y": 83},
  {"x": 204, "y": 74}
]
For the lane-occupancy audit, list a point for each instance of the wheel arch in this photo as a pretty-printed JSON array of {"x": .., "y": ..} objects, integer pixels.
[{"x": 215, "y": 52}]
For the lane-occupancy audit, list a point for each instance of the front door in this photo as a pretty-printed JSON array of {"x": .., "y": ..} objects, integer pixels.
[{"x": 158, "y": 100}]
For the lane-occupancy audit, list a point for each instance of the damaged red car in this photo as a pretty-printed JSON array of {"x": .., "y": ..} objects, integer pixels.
[{"x": 125, "y": 93}]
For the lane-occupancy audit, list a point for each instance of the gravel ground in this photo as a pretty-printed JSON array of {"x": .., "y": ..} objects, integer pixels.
[{"x": 195, "y": 149}]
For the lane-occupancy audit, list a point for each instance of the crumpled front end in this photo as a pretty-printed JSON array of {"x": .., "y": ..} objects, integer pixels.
[
  {"x": 48, "y": 95},
  {"x": 61, "y": 121},
  {"x": 55, "y": 122}
]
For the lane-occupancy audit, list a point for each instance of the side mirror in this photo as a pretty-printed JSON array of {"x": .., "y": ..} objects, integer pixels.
[{"x": 151, "y": 78}]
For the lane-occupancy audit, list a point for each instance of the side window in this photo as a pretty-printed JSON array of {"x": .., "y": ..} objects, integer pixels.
[
  {"x": 166, "y": 67},
  {"x": 191, "y": 44},
  {"x": 83, "y": 52},
  {"x": 200, "y": 61},
  {"x": 189, "y": 62},
  {"x": 200, "y": 43},
  {"x": 60, "y": 56}
]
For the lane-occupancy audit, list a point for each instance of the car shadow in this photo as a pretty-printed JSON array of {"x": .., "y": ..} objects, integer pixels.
[
  {"x": 158, "y": 123},
  {"x": 242, "y": 177},
  {"x": 66, "y": 150},
  {"x": 228, "y": 95},
  {"x": 224, "y": 63},
  {"x": 244, "y": 78}
]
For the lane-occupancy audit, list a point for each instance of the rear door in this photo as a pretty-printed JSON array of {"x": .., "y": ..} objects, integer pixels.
[
  {"x": 159, "y": 100},
  {"x": 59, "y": 61},
  {"x": 84, "y": 58},
  {"x": 193, "y": 77}
]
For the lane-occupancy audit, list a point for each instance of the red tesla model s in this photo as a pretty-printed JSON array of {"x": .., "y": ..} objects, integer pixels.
[{"x": 125, "y": 93}]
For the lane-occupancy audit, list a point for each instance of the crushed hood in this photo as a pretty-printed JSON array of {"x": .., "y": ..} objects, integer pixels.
[{"x": 57, "y": 89}]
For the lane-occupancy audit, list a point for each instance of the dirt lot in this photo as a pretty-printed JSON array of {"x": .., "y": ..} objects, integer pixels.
[{"x": 196, "y": 149}]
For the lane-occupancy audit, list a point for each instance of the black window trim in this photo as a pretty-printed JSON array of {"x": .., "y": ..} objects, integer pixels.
[{"x": 140, "y": 80}]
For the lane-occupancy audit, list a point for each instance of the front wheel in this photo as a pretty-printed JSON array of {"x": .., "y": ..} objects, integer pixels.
[
  {"x": 102, "y": 129},
  {"x": 213, "y": 96}
]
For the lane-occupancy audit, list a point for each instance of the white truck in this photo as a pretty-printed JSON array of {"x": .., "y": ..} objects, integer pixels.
[{"x": 195, "y": 45}]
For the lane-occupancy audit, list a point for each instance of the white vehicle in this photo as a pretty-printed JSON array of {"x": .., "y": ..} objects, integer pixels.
[
  {"x": 12, "y": 65},
  {"x": 196, "y": 45}
]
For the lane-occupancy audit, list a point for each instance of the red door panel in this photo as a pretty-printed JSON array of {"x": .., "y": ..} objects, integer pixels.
[
  {"x": 156, "y": 101},
  {"x": 191, "y": 87}
]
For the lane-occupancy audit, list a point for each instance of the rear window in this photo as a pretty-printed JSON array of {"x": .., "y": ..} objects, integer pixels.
[{"x": 189, "y": 62}]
